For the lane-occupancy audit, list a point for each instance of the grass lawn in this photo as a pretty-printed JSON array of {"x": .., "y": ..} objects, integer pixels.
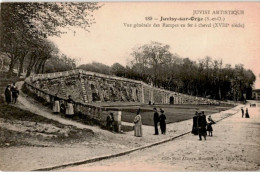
[{"x": 174, "y": 113}]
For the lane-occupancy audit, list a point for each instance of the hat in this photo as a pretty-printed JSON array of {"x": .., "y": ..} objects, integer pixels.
[{"x": 161, "y": 110}]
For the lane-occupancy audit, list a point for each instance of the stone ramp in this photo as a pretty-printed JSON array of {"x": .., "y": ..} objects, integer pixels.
[
  {"x": 33, "y": 106},
  {"x": 96, "y": 87}
]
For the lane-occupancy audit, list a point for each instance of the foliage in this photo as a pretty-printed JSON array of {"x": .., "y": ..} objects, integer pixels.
[
  {"x": 96, "y": 67},
  {"x": 59, "y": 63},
  {"x": 154, "y": 64},
  {"x": 41, "y": 19},
  {"x": 118, "y": 70},
  {"x": 25, "y": 26}
]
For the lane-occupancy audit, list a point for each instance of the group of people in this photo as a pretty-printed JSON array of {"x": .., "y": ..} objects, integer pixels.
[
  {"x": 158, "y": 119},
  {"x": 201, "y": 126},
  {"x": 66, "y": 108},
  {"x": 243, "y": 112},
  {"x": 11, "y": 93}
]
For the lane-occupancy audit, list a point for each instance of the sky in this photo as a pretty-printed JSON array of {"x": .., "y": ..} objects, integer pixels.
[{"x": 110, "y": 41}]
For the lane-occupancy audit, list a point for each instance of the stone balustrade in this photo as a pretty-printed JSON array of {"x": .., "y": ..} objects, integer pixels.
[{"x": 97, "y": 113}]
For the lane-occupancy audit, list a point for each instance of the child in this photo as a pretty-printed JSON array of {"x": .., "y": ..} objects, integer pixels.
[
  {"x": 62, "y": 108},
  {"x": 209, "y": 127}
]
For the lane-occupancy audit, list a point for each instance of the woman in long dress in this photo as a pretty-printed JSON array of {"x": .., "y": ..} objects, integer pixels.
[
  {"x": 56, "y": 105},
  {"x": 247, "y": 114},
  {"x": 138, "y": 125},
  {"x": 194, "y": 126},
  {"x": 69, "y": 108}
]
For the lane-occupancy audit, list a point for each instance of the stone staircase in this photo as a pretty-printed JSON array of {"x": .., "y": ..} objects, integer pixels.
[
  {"x": 84, "y": 92},
  {"x": 63, "y": 92}
]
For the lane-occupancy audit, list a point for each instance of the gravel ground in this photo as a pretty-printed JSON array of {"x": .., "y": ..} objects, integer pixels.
[{"x": 235, "y": 146}]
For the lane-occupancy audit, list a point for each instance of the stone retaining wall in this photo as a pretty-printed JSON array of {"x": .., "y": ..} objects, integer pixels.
[
  {"x": 89, "y": 88},
  {"x": 97, "y": 113},
  {"x": 86, "y": 87}
]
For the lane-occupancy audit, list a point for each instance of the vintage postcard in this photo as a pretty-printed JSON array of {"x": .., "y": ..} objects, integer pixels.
[{"x": 130, "y": 86}]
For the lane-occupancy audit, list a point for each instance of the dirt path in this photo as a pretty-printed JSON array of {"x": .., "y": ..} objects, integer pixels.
[
  {"x": 173, "y": 129},
  {"x": 104, "y": 143},
  {"x": 27, "y": 103},
  {"x": 235, "y": 146}
]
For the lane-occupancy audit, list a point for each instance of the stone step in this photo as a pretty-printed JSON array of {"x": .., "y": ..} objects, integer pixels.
[{"x": 83, "y": 89}]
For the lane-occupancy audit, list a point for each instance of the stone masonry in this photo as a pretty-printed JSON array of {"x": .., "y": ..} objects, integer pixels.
[{"x": 90, "y": 87}]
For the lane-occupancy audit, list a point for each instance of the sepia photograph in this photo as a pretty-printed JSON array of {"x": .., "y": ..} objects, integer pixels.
[{"x": 129, "y": 86}]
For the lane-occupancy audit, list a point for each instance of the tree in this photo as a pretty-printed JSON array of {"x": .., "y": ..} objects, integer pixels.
[
  {"x": 208, "y": 78},
  {"x": 118, "y": 70},
  {"x": 152, "y": 56},
  {"x": 41, "y": 19},
  {"x": 21, "y": 22},
  {"x": 59, "y": 63},
  {"x": 41, "y": 51},
  {"x": 96, "y": 67}
]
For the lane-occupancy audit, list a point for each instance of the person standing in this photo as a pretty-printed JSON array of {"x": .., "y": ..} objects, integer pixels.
[
  {"x": 62, "y": 107},
  {"x": 242, "y": 110},
  {"x": 15, "y": 93},
  {"x": 204, "y": 116},
  {"x": 113, "y": 123},
  {"x": 162, "y": 122},
  {"x": 8, "y": 94},
  {"x": 202, "y": 123},
  {"x": 155, "y": 120},
  {"x": 194, "y": 126},
  {"x": 138, "y": 124},
  {"x": 247, "y": 114},
  {"x": 110, "y": 120},
  {"x": 69, "y": 108},
  {"x": 56, "y": 104}
]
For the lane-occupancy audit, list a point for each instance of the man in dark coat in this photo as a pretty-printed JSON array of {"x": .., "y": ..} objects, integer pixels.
[
  {"x": 8, "y": 94},
  {"x": 156, "y": 120},
  {"x": 194, "y": 126},
  {"x": 15, "y": 93},
  {"x": 162, "y": 122},
  {"x": 203, "y": 115},
  {"x": 202, "y": 123},
  {"x": 242, "y": 110}
]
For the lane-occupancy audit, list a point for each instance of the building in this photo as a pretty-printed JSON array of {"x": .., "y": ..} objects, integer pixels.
[{"x": 256, "y": 94}]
